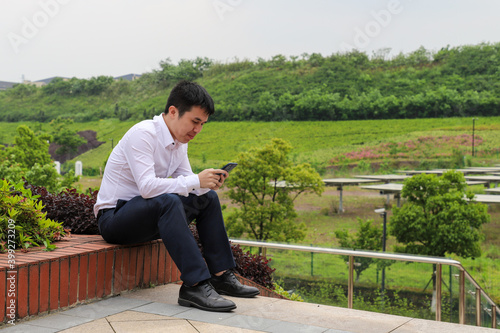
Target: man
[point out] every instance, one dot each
(149, 191)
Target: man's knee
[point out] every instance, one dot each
(166, 201)
(198, 204)
(206, 201)
(212, 197)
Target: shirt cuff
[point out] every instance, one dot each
(192, 182)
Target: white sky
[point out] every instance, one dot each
(85, 38)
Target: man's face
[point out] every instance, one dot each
(185, 128)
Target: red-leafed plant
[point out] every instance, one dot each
(75, 210)
(253, 267)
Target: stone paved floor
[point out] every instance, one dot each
(156, 310)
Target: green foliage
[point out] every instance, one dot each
(439, 217)
(41, 175)
(29, 160)
(266, 209)
(453, 82)
(69, 140)
(45, 175)
(367, 237)
(75, 87)
(170, 74)
(367, 300)
(22, 223)
(315, 104)
(293, 296)
(29, 148)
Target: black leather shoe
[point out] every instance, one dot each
(228, 284)
(203, 296)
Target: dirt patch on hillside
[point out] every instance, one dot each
(92, 142)
(375, 166)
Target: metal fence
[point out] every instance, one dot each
(481, 304)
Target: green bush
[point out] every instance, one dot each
(293, 296)
(22, 222)
(40, 175)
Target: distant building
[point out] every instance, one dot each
(36, 83)
(47, 81)
(4, 85)
(43, 82)
(128, 77)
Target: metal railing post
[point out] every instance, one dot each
(493, 316)
(350, 283)
(438, 291)
(478, 306)
(461, 305)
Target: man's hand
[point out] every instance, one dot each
(212, 178)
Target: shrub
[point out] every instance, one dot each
(22, 222)
(40, 175)
(75, 210)
(285, 293)
(253, 267)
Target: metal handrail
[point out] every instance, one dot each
(463, 274)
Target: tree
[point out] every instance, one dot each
(69, 140)
(265, 185)
(29, 160)
(29, 148)
(266, 106)
(97, 85)
(439, 218)
(368, 237)
(186, 69)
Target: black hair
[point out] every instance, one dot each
(187, 94)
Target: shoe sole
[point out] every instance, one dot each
(222, 292)
(187, 303)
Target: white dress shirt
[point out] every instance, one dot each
(147, 162)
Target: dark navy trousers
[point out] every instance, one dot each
(167, 217)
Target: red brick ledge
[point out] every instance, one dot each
(82, 268)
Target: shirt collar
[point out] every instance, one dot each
(164, 133)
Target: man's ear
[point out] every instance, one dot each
(173, 112)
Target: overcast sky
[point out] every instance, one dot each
(86, 38)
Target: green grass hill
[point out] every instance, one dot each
(461, 81)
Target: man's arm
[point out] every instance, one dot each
(139, 152)
(210, 179)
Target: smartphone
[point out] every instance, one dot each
(230, 166)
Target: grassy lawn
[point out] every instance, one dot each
(322, 144)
